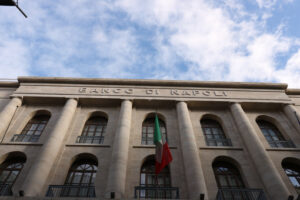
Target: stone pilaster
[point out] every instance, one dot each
(293, 115)
(264, 165)
(38, 174)
(190, 153)
(7, 114)
(117, 172)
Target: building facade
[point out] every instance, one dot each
(93, 138)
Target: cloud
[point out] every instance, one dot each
(13, 58)
(270, 3)
(169, 39)
(214, 44)
(119, 50)
(291, 72)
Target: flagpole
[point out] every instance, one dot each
(156, 175)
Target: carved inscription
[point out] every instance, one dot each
(176, 92)
(104, 91)
(152, 92)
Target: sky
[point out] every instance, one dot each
(203, 40)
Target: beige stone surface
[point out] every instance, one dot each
(48, 161)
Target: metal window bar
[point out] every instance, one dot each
(241, 194)
(141, 192)
(218, 141)
(5, 189)
(25, 138)
(282, 144)
(71, 191)
(90, 139)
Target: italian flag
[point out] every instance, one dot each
(163, 155)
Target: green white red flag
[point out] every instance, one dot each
(163, 155)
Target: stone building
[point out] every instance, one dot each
(85, 138)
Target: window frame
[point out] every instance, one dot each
(149, 124)
(163, 180)
(272, 134)
(294, 172)
(80, 189)
(233, 172)
(98, 123)
(33, 126)
(6, 184)
(209, 128)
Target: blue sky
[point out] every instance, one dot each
(216, 40)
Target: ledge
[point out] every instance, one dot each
(88, 145)
(22, 143)
(13, 84)
(149, 146)
(221, 148)
(153, 82)
(293, 91)
(283, 149)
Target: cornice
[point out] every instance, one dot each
(152, 82)
(13, 84)
(293, 91)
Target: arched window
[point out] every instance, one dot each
(33, 129)
(273, 136)
(93, 131)
(9, 172)
(148, 131)
(228, 177)
(80, 179)
(213, 132)
(149, 181)
(292, 170)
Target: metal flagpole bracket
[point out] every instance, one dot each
(12, 3)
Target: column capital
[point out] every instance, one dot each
(180, 101)
(233, 102)
(287, 104)
(127, 99)
(17, 97)
(74, 98)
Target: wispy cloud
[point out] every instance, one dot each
(271, 3)
(170, 39)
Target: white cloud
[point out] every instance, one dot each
(216, 46)
(13, 58)
(270, 3)
(169, 39)
(119, 49)
(291, 72)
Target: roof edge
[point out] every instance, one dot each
(13, 84)
(293, 91)
(152, 82)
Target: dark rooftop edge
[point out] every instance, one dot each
(152, 82)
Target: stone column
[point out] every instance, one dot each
(118, 165)
(190, 153)
(292, 114)
(264, 165)
(7, 114)
(39, 172)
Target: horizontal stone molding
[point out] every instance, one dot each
(147, 92)
(88, 145)
(179, 83)
(22, 143)
(150, 147)
(283, 149)
(221, 148)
